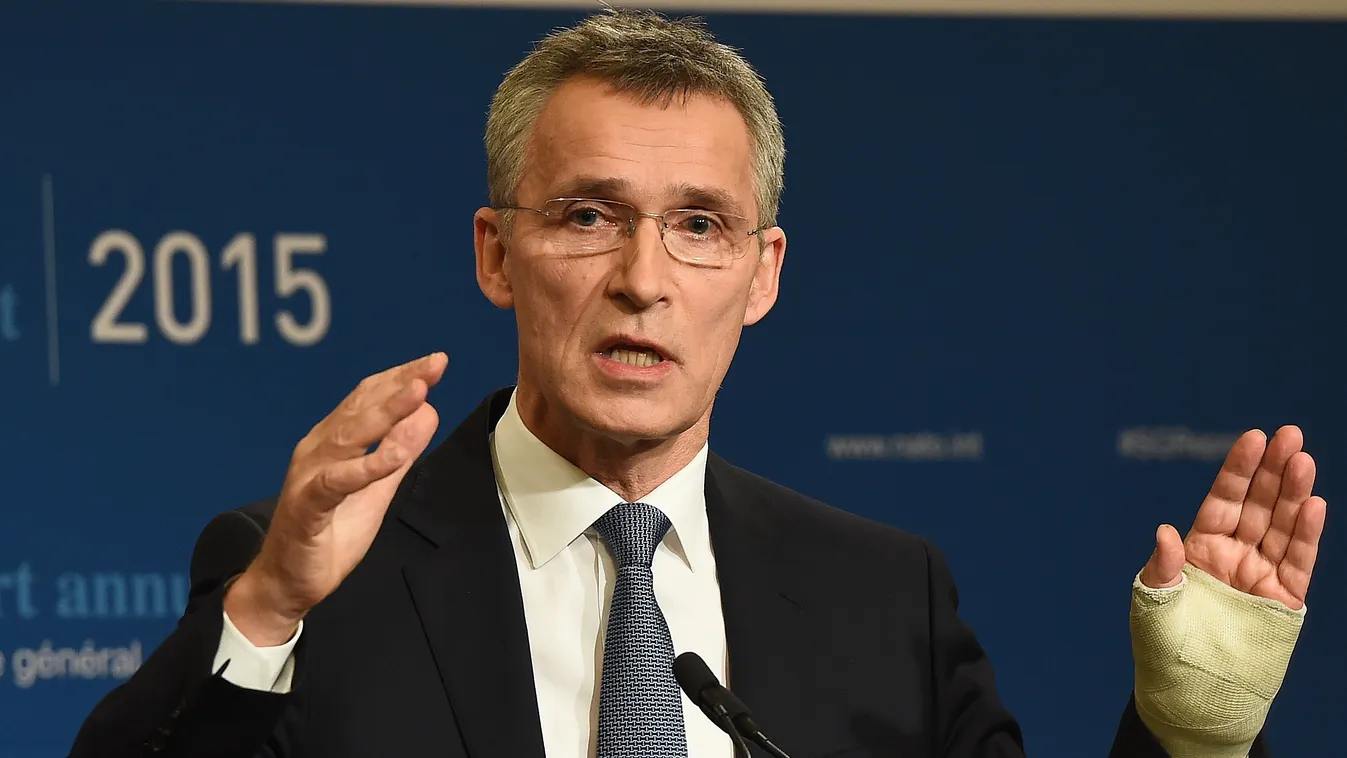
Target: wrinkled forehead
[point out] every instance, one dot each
(590, 141)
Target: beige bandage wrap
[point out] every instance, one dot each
(1209, 660)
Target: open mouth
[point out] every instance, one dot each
(633, 354)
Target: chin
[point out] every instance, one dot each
(632, 417)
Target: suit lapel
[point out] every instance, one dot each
(771, 641)
(467, 592)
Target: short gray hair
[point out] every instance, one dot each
(650, 57)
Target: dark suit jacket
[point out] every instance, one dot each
(843, 637)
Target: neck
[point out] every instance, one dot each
(630, 467)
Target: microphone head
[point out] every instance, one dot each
(704, 689)
(719, 704)
(694, 676)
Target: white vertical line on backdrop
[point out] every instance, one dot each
(49, 255)
(1248, 9)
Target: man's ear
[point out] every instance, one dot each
(766, 283)
(491, 276)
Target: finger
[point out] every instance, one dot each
(1219, 512)
(346, 433)
(1256, 515)
(414, 432)
(429, 368)
(1294, 572)
(1165, 567)
(412, 435)
(375, 389)
(405, 441)
(351, 433)
(379, 389)
(1297, 485)
(334, 481)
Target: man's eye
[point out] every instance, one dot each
(586, 217)
(701, 225)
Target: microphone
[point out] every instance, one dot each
(720, 705)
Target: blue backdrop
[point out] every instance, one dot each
(1041, 273)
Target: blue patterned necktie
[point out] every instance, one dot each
(640, 704)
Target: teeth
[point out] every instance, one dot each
(638, 358)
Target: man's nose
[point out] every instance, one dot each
(642, 277)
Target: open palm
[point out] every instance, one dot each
(1258, 529)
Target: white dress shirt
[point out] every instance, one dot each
(566, 576)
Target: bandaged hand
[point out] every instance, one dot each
(1209, 661)
(1216, 615)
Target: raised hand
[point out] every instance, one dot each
(334, 498)
(1258, 530)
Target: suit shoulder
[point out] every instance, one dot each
(260, 511)
(816, 520)
(230, 541)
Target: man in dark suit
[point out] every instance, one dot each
(522, 589)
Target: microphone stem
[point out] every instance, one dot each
(769, 746)
(723, 721)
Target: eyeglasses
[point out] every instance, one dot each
(588, 226)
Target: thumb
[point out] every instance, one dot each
(1166, 564)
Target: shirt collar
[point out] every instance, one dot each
(553, 502)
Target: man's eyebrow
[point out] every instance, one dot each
(598, 187)
(688, 195)
(708, 198)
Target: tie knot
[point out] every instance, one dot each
(633, 531)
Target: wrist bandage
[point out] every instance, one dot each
(1209, 660)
